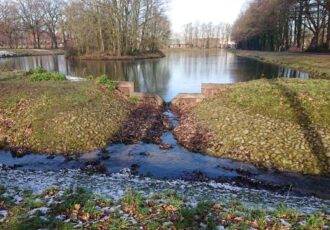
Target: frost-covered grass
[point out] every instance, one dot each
(78, 208)
(273, 123)
(317, 65)
(57, 116)
(35, 52)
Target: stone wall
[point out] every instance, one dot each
(127, 88)
(187, 99)
(191, 99)
(181, 100)
(212, 89)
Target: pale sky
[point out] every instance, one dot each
(184, 11)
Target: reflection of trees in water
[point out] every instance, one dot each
(206, 65)
(114, 70)
(6, 62)
(285, 72)
(186, 68)
(50, 63)
(149, 76)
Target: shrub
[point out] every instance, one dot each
(134, 52)
(104, 80)
(39, 70)
(39, 74)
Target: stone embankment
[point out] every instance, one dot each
(191, 99)
(127, 88)
(181, 100)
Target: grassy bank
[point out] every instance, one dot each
(79, 209)
(44, 113)
(282, 124)
(317, 65)
(35, 52)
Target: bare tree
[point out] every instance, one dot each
(283, 24)
(9, 24)
(52, 11)
(207, 35)
(32, 15)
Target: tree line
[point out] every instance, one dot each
(118, 27)
(207, 35)
(277, 25)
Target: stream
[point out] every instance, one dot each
(148, 169)
(148, 160)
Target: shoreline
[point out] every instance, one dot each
(101, 57)
(12, 53)
(315, 64)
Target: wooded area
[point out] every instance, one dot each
(118, 27)
(207, 35)
(277, 25)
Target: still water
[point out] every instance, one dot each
(178, 72)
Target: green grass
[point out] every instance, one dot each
(86, 206)
(104, 80)
(317, 65)
(134, 100)
(272, 123)
(57, 116)
(39, 74)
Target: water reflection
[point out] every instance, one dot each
(178, 72)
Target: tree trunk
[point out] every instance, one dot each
(315, 40)
(34, 40)
(38, 39)
(299, 24)
(328, 31)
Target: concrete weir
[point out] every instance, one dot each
(191, 99)
(182, 99)
(127, 88)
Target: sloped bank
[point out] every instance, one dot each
(281, 124)
(42, 113)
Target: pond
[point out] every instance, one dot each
(178, 72)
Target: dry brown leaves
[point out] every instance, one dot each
(192, 135)
(146, 123)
